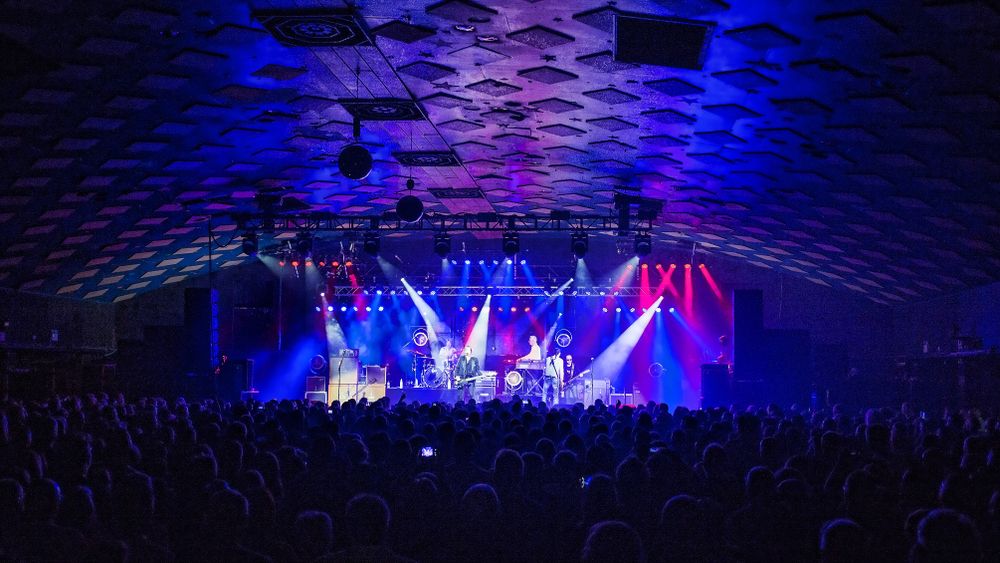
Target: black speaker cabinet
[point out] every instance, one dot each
(716, 387)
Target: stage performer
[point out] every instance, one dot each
(554, 367)
(445, 354)
(466, 370)
(535, 353)
(570, 369)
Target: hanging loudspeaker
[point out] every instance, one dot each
(355, 162)
(409, 208)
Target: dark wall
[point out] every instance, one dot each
(974, 312)
(155, 344)
(847, 330)
(27, 318)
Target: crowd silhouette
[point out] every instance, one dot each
(99, 478)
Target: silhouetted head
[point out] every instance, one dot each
(228, 513)
(313, 534)
(842, 541)
(41, 504)
(508, 469)
(759, 483)
(367, 519)
(946, 536)
(612, 541)
(479, 502)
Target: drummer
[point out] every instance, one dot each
(446, 358)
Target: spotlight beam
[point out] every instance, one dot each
(430, 318)
(611, 361)
(711, 281)
(480, 332)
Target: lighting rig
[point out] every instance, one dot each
(632, 219)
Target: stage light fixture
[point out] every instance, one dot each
(329, 308)
(687, 266)
(368, 309)
(442, 245)
(381, 308)
(509, 261)
(579, 245)
(701, 266)
(371, 244)
(618, 309)
(318, 309)
(343, 309)
(304, 244)
(250, 244)
(643, 244)
(523, 262)
(481, 262)
(295, 263)
(645, 266)
(511, 244)
(281, 263)
(348, 264)
(467, 261)
(378, 292)
(670, 310)
(322, 294)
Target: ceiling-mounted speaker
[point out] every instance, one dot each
(662, 41)
(355, 162)
(409, 208)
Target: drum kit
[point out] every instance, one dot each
(431, 375)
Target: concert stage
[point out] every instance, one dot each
(423, 395)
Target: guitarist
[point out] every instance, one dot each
(466, 370)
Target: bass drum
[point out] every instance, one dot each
(433, 377)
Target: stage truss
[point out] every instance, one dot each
(495, 291)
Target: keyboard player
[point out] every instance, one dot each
(535, 354)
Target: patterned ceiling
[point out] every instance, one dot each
(848, 142)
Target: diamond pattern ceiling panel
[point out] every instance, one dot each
(852, 146)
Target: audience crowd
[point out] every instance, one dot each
(99, 478)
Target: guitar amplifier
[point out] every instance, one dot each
(373, 388)
(315, 384)
(316, 397)
(485, 388)
(580, 390)
(375, 375)
(344, 367)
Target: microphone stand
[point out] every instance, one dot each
(593, 368)
(340, 367)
